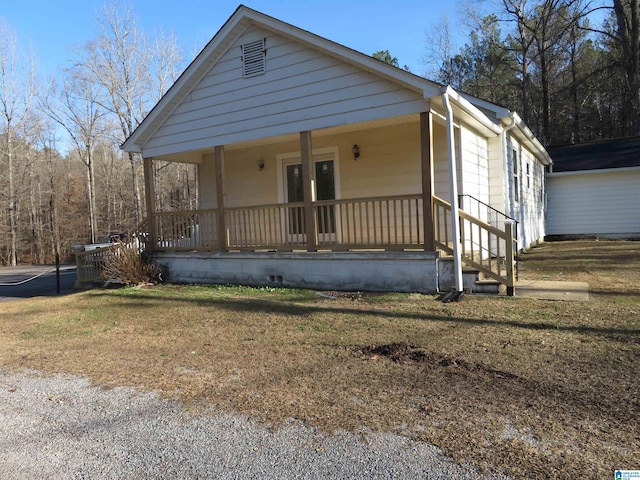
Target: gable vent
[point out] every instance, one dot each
(253, 58)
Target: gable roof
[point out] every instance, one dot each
(486, 117)
(599, 155)
(241, 19)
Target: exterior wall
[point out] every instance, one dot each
(474, 172)
(441, 162)
(389, 164)
(529, 209)
(595, 202)
(302, 89)
(497, 175)
(399, 272)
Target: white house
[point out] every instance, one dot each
(293, 133)
(594, 190)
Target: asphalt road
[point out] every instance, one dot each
(11, 277)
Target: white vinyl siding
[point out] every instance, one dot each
(441, 162)
(302, 89)
(605, 202)
(526, 193)
(497, 178)
(474, 172)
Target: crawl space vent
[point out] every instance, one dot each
(253, 58)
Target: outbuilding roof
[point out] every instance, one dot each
(604, 154)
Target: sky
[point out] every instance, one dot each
(54, 28)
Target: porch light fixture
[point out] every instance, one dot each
(356, 151)
(261, 164)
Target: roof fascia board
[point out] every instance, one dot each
(423, 86)
(464, 105)
(594, 171)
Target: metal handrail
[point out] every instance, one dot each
(507, 217)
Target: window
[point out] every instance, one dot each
(516, 183)
(253, 58)
(541, 180)
(528, 175)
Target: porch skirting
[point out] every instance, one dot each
(345, 271)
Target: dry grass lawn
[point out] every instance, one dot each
(529, 388)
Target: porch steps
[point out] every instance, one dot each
(473, 280)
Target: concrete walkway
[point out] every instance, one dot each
(553, 290)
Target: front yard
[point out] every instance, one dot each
(530, 388)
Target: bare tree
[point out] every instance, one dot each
(627, 14)
(16, 96)
(440, 52)
(75, 106)
(118, 62)
(132, 73)
(166, 64)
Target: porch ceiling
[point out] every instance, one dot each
(195, 156)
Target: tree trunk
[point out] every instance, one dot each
(13, 204)
(137, 201)
(33, 218)
(575, 106)
(628, 22)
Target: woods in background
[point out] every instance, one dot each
(64, 180)
(569, 79)
(51, 201)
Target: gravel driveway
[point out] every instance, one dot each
(61, 427)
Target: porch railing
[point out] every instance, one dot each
(90, 264)
(90, 261)
(484, 247)
(377, 223)
(386, 223)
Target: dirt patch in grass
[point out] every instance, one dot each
(402, 353)
(530, 388)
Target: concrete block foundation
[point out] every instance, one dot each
(343, 271)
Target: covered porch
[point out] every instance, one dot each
(369, 193)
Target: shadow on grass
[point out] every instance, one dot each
(615, 293)
(250, 305)
(604, 256)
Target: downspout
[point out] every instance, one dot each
(505, 156)
(505, 153)
(453, 179)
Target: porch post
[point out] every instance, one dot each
(308, 183)
(221, 195)
(426, 157)
(150, 201)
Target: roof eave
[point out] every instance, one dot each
(527, 135)
(463, 104)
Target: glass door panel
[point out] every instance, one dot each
(325, 190)
(294, 195)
